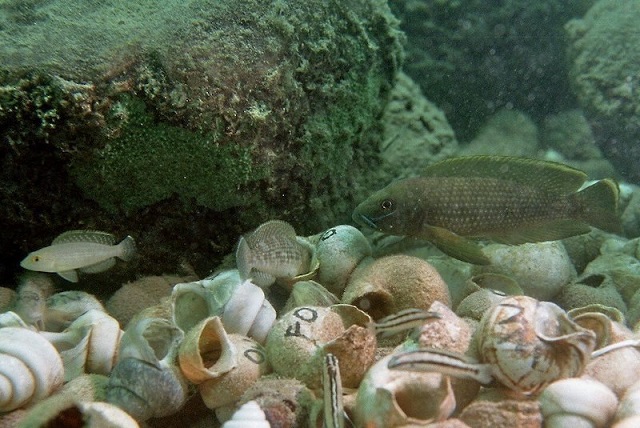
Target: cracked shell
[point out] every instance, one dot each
(531, 344)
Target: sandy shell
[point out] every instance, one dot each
(30, 368)
(299, 340)
(227, 389)
(390, 284)
(531, 344)
(492, 409)
(207, 352)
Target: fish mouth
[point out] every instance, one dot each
(363, 219)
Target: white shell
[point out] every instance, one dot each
(89, 345)
(241, 305)
(249, 415)
(64, 307)
(339, 250)
(395, 398)
(30, 368)
(583, 402)
(531, 344)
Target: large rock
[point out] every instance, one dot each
(186, 123)
(474, 57)
(605, 74)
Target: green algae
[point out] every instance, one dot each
(149, 161)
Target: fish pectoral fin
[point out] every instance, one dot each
(455, 245)
(100, 266)
(69, 275)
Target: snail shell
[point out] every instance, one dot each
(531, 344)
(89, 345)
(146, 382)
(249, 415)
(307, 333)
(30, 368)
(241, 305)
(144, 390)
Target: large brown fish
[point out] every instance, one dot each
(507, 199)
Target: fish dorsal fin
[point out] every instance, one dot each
(93, 236)
(552, 177)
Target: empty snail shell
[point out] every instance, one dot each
(89, 345)
(30, 368)
(307, 333)
(145, 382)
(249, 415)
(241, 305)
(531, 344)
(64, 307)
(339, 251)
(577, 403)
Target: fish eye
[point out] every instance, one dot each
(386, 205)
(36, 258)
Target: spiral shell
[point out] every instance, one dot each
(89, 345)
(531, 344)
(30, 368)
(241, 305)
(249, 415)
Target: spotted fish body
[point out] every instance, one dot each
(87, 251)
(510, 200)
(271, 251)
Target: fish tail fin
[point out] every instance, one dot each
(598, 205)
(127, 248)
(243, 258)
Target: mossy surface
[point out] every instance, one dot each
(149, 161)
(186, 123)
(604, 50)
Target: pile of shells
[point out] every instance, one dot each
(377, 341)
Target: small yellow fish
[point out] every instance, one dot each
(84, 250)
(507, 199)
(271, 251)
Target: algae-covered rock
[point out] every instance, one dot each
(187, 122)
(416, 132)
(604, 52)
(475, 57)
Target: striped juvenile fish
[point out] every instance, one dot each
(87, 251)
(507, 199)
(402, 320)
(271, 251)
(332, 390)
(438, 360)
